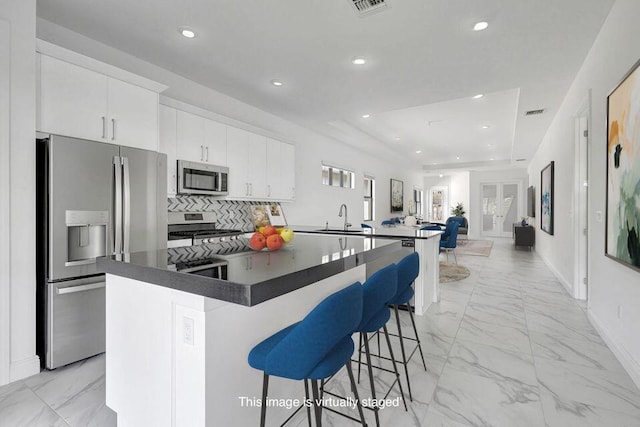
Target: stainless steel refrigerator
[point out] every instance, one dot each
(94, 199)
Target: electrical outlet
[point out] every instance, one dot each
(599, 216)
(187, 330)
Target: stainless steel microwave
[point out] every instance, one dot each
(201, 178)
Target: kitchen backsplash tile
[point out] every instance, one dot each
(207, 250)
(234, 214)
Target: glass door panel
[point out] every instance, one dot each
(489, 207)
(509, 207)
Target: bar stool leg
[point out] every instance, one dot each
(373, 387)
(395, 367)
(415, 331)
(263, 408)
(355, 394)
(316, 407)
(306, 395)
(359, 357)
(404, 355)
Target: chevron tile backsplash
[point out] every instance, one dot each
(234, 214)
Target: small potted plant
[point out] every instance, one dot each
(458, 210)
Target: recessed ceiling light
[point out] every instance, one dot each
(485, 127)
(187, 32)
(366, 116)
(440, 175)
(458, 158)
(418, 151)
(480, 26)
(276, 82)
(358, 61)
(397, 138)
(478, 96)
(491, 158)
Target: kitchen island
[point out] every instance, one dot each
(425, 242)
(177, 343)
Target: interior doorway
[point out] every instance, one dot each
(500, 208)
(581, 201)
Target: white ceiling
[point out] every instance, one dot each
(424, 65)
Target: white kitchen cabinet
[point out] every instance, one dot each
(73, 100)
(201, 140)
(280, 170)
(246, 154)
(167, 145)
(78, 102)
(288, 171)
(133, 115)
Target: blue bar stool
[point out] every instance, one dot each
(313, 349)
(408, 269)
(378, 290)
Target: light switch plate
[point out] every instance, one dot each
(187, 330)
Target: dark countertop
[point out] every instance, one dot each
(255, 277)
(397, 232)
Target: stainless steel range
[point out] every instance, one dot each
(196, 228)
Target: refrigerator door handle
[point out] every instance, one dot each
(81, 288)
(117, 205)
(126, 202)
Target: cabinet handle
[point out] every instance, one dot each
(207, 148)
(104, 127)
(251, 188)
(246, 191)
(293, 192)
(269, 190)
(202, 153)
(113, 125)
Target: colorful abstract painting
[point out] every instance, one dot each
(546, 199)
(623, 171)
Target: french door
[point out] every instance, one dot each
(500, 208)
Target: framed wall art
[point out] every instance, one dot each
(546, 198)
(622, 232)
(397, 194)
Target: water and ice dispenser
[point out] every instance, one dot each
(86, 236)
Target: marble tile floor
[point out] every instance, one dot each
(505, 347)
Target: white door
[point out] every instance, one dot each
(581, 222)
(257, 166)
(288, 172)
(73, 100)
(500, 208)
(274, 167)
(133, 115)
(215, 143)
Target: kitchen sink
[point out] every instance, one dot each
(339, 230)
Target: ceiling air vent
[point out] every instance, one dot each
(366, 7)
(534, 112)
(520, 160)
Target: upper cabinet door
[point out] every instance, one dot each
(133, 115)
(257, 166)
(73, 100)
(238, 162)
(215, 143)
(274, 164)
(168, 145)
(288, 171)
(190, 137)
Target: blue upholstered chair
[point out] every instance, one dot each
(463, 224)
(363, 225)
(449, 239)
(313, 349)
(378, 290)
(408, 270)
(388, 223)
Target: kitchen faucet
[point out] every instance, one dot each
(346, 222)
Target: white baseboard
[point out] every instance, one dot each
(24, 368)
(626, 360)
(568, 287)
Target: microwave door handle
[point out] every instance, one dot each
(117, 205)
(126, 202)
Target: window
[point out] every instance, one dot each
(336, 177)
(418, 195)
(369, 191)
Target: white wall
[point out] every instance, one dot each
(477, 178)
(17, 216)
(611, 285)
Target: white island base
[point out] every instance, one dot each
(179, 359)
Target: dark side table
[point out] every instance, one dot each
(524, 235)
